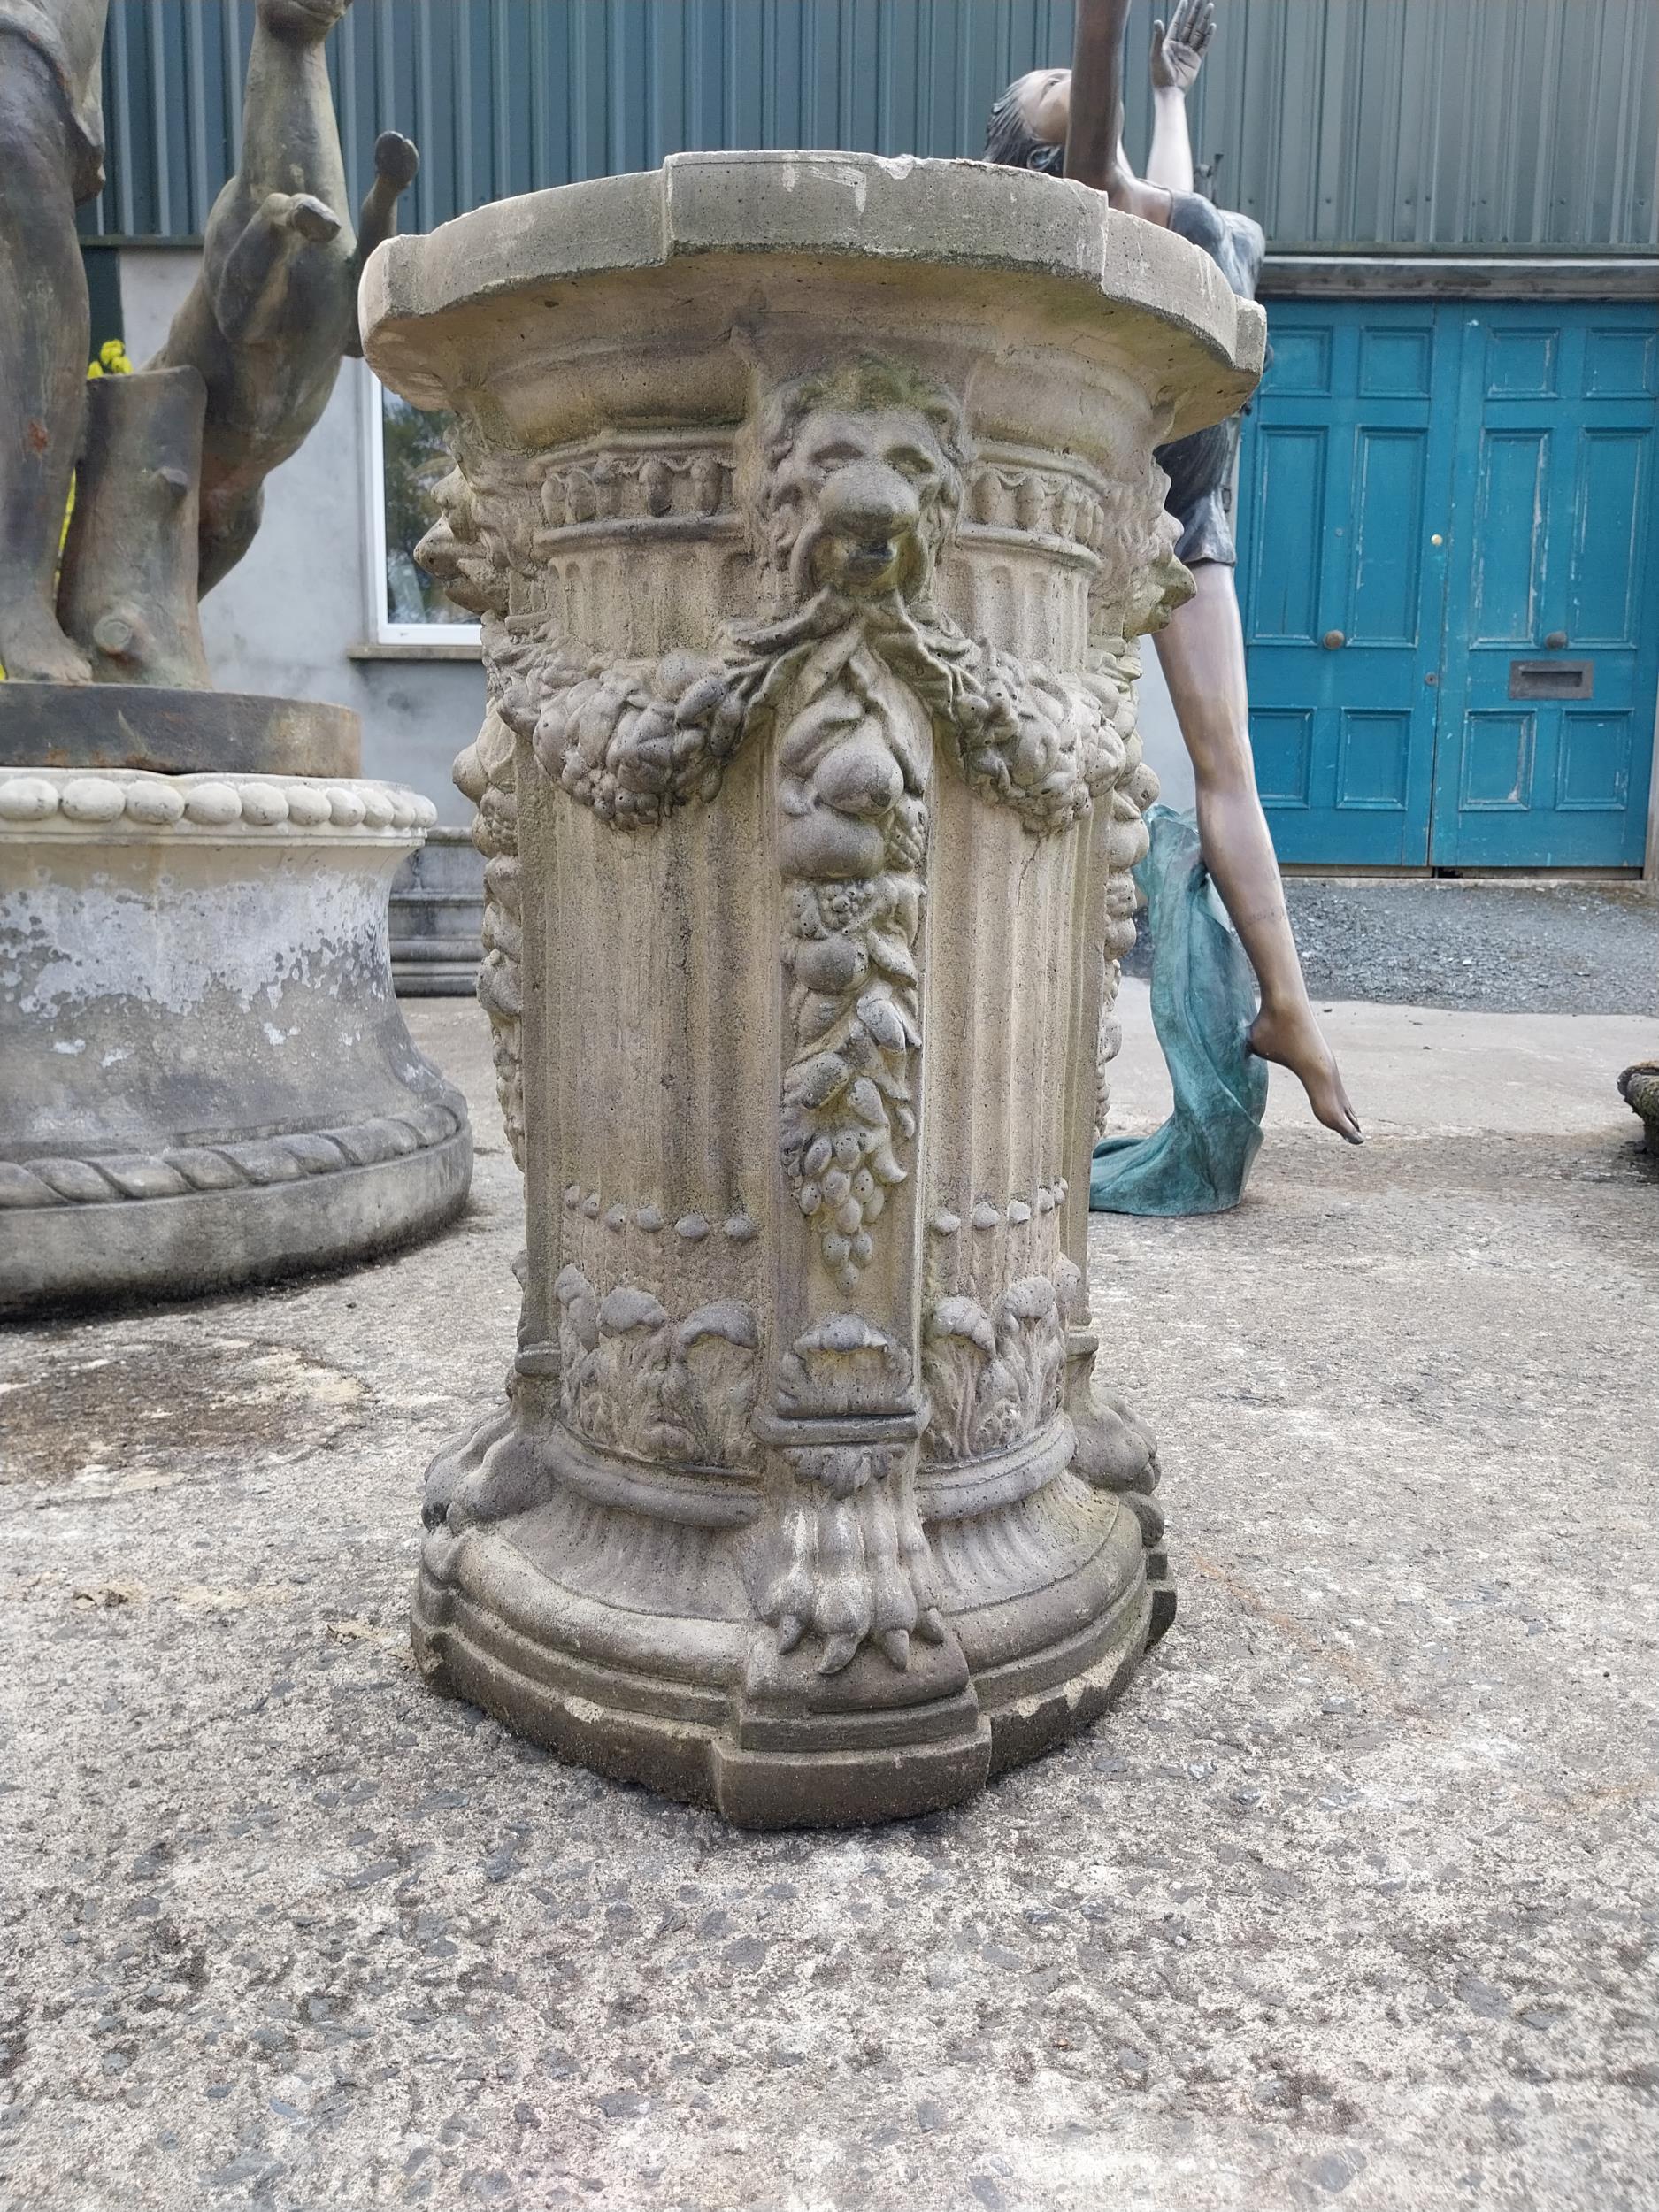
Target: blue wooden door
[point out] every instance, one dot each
(1552, 648)
(1447, 525)
(1344, 480)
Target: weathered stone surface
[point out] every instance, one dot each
(207, 1078)
(274, 309)
(809, 505)
(175, 732)
(127, 589)
(172, 463)
(935, 229)
(1638, 1087)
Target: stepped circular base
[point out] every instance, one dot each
(628, 1644)
(207, 1078)
(438, 917)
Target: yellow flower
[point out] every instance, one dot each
(112, 360)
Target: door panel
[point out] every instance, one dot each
(1546, 747)
(1387, 587)
(1619, 363)
(1374, 763)
(1395, 363)
(1283, 744)
(1412, 702)
(1593, 764)
(1498, 754)
(1612, 499)
(1345, 460)
(1507, 554)
(1519, 363)
(1286, 597)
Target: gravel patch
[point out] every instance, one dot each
(1488, 947)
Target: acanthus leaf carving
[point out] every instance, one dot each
(994, 1378)
(844, 1557)
(634, 1380)
(843, 1365)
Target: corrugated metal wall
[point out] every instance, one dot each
(1512, 123)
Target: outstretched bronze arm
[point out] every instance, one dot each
(1094, 153)
(1177, 56)
(1097, 94)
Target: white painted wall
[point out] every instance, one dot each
(283, 622)
(1161, 732)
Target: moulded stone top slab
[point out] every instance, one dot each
(419, 295)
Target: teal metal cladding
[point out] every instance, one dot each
(505, 96)
(1337, 123)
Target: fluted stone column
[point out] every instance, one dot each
(808, 504)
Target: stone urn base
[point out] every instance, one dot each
(1638, 1087)
(651, 1668)
(207, 1080)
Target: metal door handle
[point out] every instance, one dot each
(1332, 640)
(1554, 642)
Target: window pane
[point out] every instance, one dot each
(415, 458)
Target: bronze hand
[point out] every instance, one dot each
(1178, 51)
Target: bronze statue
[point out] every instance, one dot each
(1070, 121)
(264, 330)
(276, 304)
(51, 127)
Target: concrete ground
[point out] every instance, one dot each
(1349, 1901)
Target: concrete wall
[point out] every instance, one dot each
(286, 619)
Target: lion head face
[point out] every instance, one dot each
(859, 482)
(462, 552)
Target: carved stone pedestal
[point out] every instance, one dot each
(206, 1079)
(808, 501)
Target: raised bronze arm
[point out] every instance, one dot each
(1097, 95)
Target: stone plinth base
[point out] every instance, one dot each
(438, 918)
(547, 1620)
(174, 733)
(207, 1078)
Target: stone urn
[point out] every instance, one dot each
(207, 1080)
(808, 504)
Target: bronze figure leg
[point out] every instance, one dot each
(43, 340)
(1202, 653)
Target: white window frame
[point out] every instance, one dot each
(381, 629)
